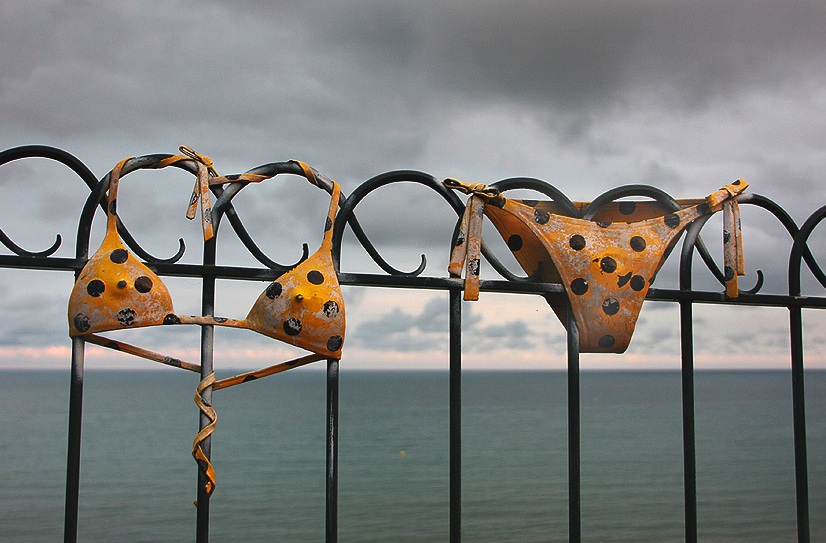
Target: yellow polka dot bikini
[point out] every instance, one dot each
(606, 267)
(303, 307)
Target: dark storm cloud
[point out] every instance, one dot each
(254, 86)
(582, 55)
(334, 74)
(362, 87)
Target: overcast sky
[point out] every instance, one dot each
(586, 95)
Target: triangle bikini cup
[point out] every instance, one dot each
(606, 267)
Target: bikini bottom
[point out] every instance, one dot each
(606, 265)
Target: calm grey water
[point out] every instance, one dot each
(138, 478)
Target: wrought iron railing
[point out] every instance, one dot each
(210, 270)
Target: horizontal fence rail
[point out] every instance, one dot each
(209, 271)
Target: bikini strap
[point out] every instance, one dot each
(715, 199)
(204, 165)
(733, 261)
(324, 183)
(198, 453)
(200, 193)
(207, 176)
(112, 198)
(467, 250)
(489, 193)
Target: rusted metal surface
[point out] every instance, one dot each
(606, 267)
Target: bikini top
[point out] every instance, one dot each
(606, 265)
(303, 307)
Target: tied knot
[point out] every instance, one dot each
(198, 157)
(474, 189)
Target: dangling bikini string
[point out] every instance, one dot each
(468, 249)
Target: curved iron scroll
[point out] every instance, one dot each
(347, 216)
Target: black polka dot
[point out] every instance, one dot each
(610, 306)
(515, 242)
(122, 283)
(530, 203)
(328, 224)
(113, 207)
(726, 236)
(95, 287)
(249, 378)
(119, 256)
(170, 361)
(126, 317)
(638, 243)
(736, 182)
(607, 341)
(330, 308)
(638, 282)
(220, 320)
(460, 239)
(626, 208)
(608, 264)
(704, 208)
(292, 326)
(315, 277)
(143, 284)
(540, 216)
(672, 220)
(82, 322)
(274, 290)
(622, 280)
(577, 242)
(334, 343)
(579, 286)
(729, 273)
(603, 224)
(172, 319)
(473, 266)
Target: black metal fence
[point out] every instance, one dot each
(209, 271)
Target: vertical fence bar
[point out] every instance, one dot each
(455, 415)
(798, 389)
(331, 496)
(687, 369)
(799, 407)
(207, 367)
(574, 472)
(73, 453)
(202, 533)
(689, 438)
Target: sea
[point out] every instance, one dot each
(138, 477)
